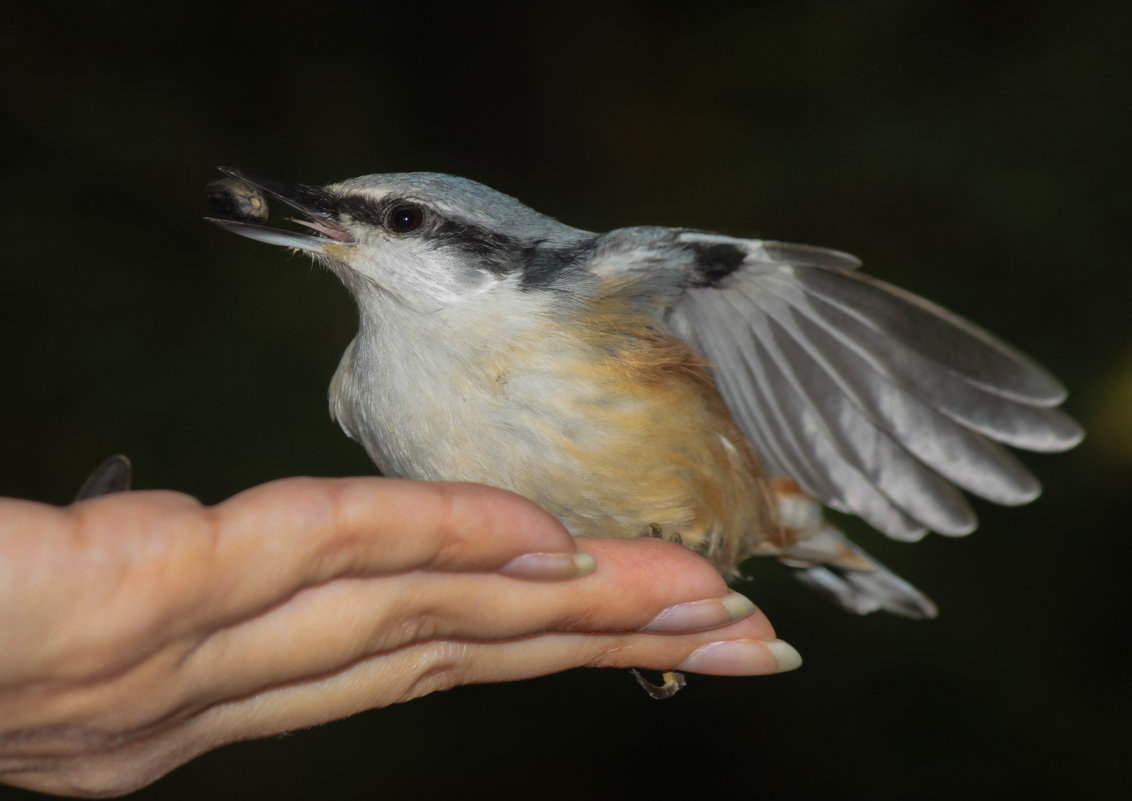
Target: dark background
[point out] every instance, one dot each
(972, 152)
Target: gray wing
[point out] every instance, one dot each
(875, 401)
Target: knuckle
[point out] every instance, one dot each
(421, 625)
(439, 666)
(455, 519)
(607, 653)
(326, 508)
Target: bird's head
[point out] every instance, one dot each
(425, 240)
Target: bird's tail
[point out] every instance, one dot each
(824, 559)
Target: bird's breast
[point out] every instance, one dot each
(610, 434)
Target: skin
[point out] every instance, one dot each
(142, 629)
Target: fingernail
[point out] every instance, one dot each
(785, 654)
(741, 658)
(550, 566)
(700, 615)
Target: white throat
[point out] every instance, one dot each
(417, 390)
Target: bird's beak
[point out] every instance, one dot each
(317, 206)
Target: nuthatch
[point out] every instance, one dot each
(713, 389)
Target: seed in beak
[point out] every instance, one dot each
(234, 199)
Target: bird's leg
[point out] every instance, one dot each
(674, 680)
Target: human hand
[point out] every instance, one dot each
(142, 629)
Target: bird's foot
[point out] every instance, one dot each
(674, 682)
(654, 530)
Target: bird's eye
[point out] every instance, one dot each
(404, 218)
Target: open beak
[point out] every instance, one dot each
(317, 207)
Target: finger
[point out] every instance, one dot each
(423, 668)
(369, 526)
(192, 569)
(750, 653)
(336, 624)
(389, 678)
(330, 528)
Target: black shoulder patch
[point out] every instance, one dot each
(543, 265)
(715, 261)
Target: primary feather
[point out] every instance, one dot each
(876, 401)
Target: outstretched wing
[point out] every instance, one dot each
(875, 401)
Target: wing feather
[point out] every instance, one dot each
(965, 350)
(873, 454)
(954, 449)
(740, 371)
(874, 400)
(811, 455)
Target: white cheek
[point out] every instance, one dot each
(421, 277)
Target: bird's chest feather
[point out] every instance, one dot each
(608, 436)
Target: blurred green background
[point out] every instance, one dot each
(973, 152)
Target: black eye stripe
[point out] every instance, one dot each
(538, 264)
(397, 215)
(363, 209)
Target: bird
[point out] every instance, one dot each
(717, 391)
